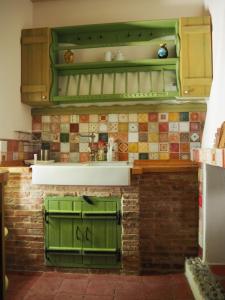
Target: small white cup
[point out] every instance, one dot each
(35, 158)
(108, 56)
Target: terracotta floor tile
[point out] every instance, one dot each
(101, 287)
(77, 286)
(47, 284)
(31, 296)
(92, 297)
(65, 296)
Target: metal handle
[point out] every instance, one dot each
(77, 233)
(43, 97)
(86, 234)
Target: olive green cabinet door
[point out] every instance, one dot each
(35, 66)
(195, 56)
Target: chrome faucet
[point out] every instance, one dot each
(93, 149)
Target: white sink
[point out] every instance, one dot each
(90, 173)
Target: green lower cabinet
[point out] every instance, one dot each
(82, 232)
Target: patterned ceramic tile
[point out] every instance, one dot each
(123, 156)
(55, 137)
(184, 156)
(132, 156)
(113, 127)
(174, 117)
(143, 127)
(36, 126)
(163, 147)
(93, 118)
(142, 118)
(132, 117)
(74, 127)
(133, 127)
(143, 155)
(115, 135)
(103, 137)
(132, 147)
(64, 137)
(174, 147)
(113, 118)
(202, 116)
(46, 119)
(195, 136)
(84, 118)
(84, 157)
(174, 137)
(64, 157)
(74, 138)
(74, 119)
(84, 147)
(74, 157)
(132, 137)
(153, 117)
(46, 127)
(195, 126)
(184, 147)
(55, 119)
(153, 137)
(102, 118)
(173, 126)
(83, 137)
(74, 147)
(174, 155)
(143, 147)
(154, 155)
(195, 145)
(194, 116)
(163, 117)
(103, 127)
(55, 127)
(164, 156)
(37, 119)
(143, 137)
(123, 118)
(55, 147)
(184, 116)
(64, 128)
(123, 127)
(64, 147)
(153, 127)
(123, 147)
(163, 127)
(123, 136)
(184, 137)
(83, 127)
(46, 136)
(153, 147)
(184, 126)
(163, 137)
(64, 119)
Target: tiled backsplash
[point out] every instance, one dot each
(150, 135)
(15, 150)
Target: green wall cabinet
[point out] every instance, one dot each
(82, 231)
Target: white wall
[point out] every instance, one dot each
(75, 12)
(14, 15)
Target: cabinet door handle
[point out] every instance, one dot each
(86, 234)
(88, 199)
(77, 233)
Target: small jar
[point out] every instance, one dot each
(108, 56)
(163, 51)
(69, 57)
(119, 55)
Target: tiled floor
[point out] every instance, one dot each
(65, 286)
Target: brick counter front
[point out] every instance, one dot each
(159, 220)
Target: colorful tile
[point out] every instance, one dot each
(36, 126)
(103, 127)
(113, 118)
(143, 147)
(123, 147)
(174, 147)
(55, 147)
(46, 127)
(184, 137)
(174, 117)
(113, 127)
(84, 157)
(163, 147)
(74, 147)
(142, 118)
(83, 127)
(74, 138)
(93, 118)
(46, 119)
(64, 137)
(74, 119)
(64, 128)
(142, 127)
(163, 127)
(185, 147)
(54, 127)
(194, 116)
(46, 136)
(74, 127)
(64, 147)
(123, 118)
(163, 137)
(184, 126)
(195, 126)
(132, 137)
(102, 118)
(55, 137)
(184, 116)
(122, 127)
(132, 147)
(153, 137)
(174, 137)
(84, 118)
(164, 156)
(173, 126)
(93, 127)
(132, 156)
(153, 117)
(185, 156)
(143, 137)
(132, 117)
(195, 136)
(103, 137)
(153, 127)
(143, 155)
(123, 137)
(154, 155)
(174, 155)
(74, 157)
(64, 157)
(84, 147)
(153, 147)
(163, 117)
(195, 145)
(133, 127)
(123, 156)
(64, 119)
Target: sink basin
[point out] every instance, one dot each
(90, 173)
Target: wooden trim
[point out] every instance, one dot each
(33, 88)
(197, 81)
(196, 29)
(34, 40)
(128, 108)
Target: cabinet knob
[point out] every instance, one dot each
(43, 97)
(186, 91)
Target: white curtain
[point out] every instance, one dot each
(216, 104)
